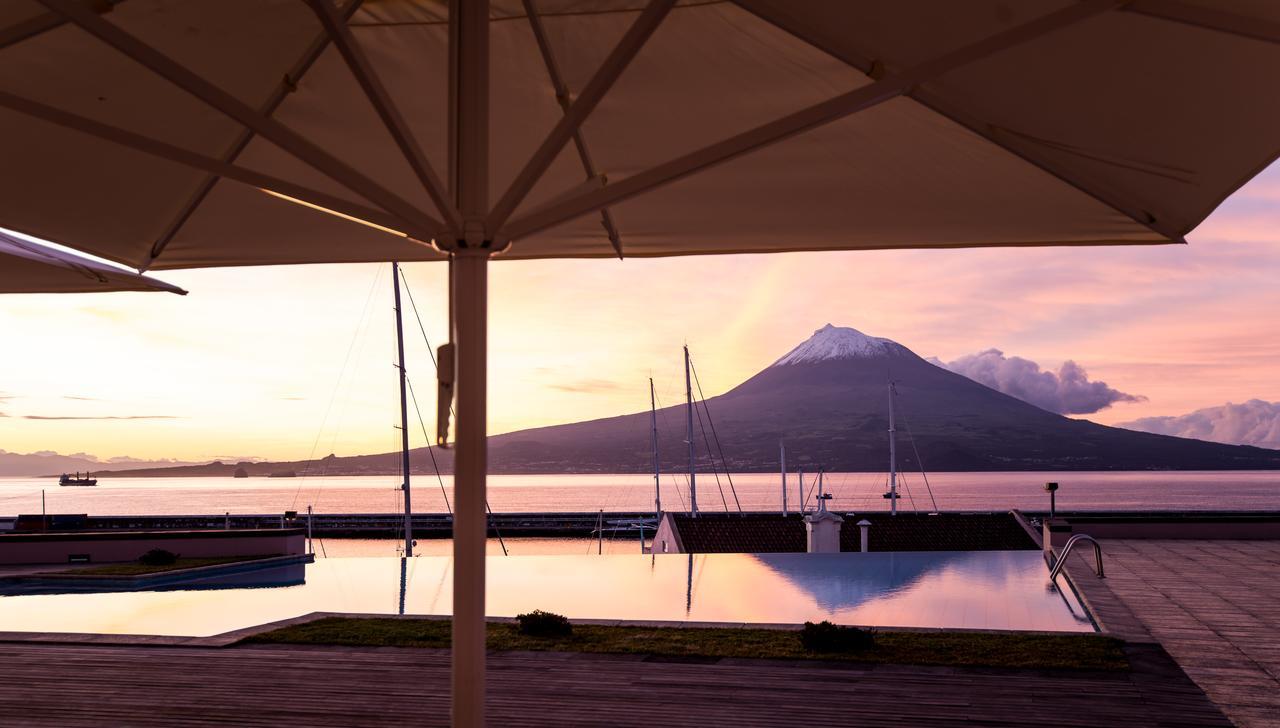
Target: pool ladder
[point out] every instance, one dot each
(1066, 551)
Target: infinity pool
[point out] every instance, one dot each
(1005, 590)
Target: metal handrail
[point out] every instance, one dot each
(1066, 551)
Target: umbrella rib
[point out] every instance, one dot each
(213, 166)
(1208, 18)
(1020, 149)
(839, 107)
(1024, 150)
(228, 105)
(562, 94)
(595, 89)
(41, 24)
(29, 28)
(287, 85)
(336, 26)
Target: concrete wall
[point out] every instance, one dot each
(59, 548)
(667, 539)
(1056, 533)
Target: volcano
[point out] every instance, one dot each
(828, 399)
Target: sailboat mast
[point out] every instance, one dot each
(822, 499)
(800, 491)
(653, 422)
(782, 458)
(404, 417)
(688, 390)
(893, 458)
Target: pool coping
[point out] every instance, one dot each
(1111, 615)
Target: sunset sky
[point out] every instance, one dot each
(292, 361)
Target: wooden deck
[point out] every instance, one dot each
(96, 685)
(1214, 605)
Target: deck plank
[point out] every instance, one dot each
(45, 684)
(1213, 605)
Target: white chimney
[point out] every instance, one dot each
(863, 525)
(823, 528)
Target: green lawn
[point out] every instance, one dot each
(915, 648)
(138, 569)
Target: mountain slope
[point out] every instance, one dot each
(828, 399)
(15, 464)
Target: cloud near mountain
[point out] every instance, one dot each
(1255, 422)
(1067, 391)
(586, 386)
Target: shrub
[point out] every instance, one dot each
(543, 624)
(158, 557)
(827, 637)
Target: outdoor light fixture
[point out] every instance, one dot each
(1052, 490)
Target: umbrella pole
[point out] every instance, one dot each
(468, 283)
(469, 273)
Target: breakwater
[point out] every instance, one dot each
(563, 523)
(353, 525)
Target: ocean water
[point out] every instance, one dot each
(1145, 490)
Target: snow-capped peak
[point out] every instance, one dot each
(836, 342)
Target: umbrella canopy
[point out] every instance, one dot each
(167, 134)
(714, 127)
(27, 267)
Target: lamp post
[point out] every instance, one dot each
(1052, 489)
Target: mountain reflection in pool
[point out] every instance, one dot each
(958, 589)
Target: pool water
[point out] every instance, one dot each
(1005, 590)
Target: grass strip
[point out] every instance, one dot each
(137, 569)
(1031, 651)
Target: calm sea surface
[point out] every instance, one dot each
(1235, 490)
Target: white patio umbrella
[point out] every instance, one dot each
(167, 134)
(27, 267)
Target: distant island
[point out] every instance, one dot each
(828, 399)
